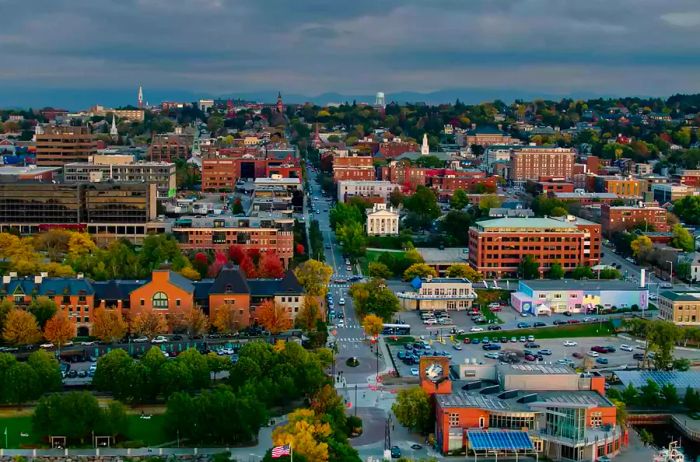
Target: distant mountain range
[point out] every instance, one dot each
(75, 99)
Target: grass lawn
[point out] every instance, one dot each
(150, 431)
(592, 329)
(399, 340)
(15, 427)
(372, 255)
(490, 315)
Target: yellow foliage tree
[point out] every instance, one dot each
(21, 328)
(57, 270)
(108, 325)
(190, 273)
(80, 244)
(149, 323)
(314, 276)
(419, 269)
(309, 314)
(464, 271)
(373, 325)
(641, 246)
(305, 433)
(273, 317)
(226, 319)
(59, 330)
(196, 321)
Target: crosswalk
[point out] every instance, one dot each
(350, 340)
(338, 286)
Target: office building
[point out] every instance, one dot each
(353, 166)
(60, 145)
(497, 247)
(535, 162)
(680, 307)
(160, 173)
(429, 294)
(365, 189)
(621, 218)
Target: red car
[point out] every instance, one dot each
(573, 321)
(577, 355)
(599, 349)
(467, 341)
(530, 357)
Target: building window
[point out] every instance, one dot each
(454, 420)
(143, 302)
(160, 300)
(596, 419)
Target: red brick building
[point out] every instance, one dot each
(497, 247)
(220, 173)
(547, 186)
(353, 167)
(620, 218)
(170, 146)
(534, 162)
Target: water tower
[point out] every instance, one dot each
(379, 100)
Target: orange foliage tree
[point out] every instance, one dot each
(21, 328)
(273, 317)
(108, 325)
(59, 330)
(226, 320)
(148, 323)
(196, 321)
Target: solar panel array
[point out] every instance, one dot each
(545, 369)
(480, 440)
(681, 380)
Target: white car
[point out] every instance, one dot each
(341, 323)
(414, 371)
(430, 322)
(341, 301)
(46, 345)
(570, 343)
(625, 347)
(476, 329)
(588, 319)
(142, 339)
(159, 339)
(593, 354)
(492, 355)
(88, 343)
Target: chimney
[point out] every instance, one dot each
(38, 279)
(6, 279)
(79, 276)
(13, 274)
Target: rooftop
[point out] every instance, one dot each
(681, 380)
(449, 255)
(511, 222)
(574, 195)
(514, 400)
(24, 170)
(686, 296)
(575, 284)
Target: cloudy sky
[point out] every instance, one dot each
(308, 47)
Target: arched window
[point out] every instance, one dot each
(160, 301)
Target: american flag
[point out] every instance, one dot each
(279, 451)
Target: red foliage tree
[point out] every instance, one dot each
(270, 265)
(221, 258)
(248, 267)
(201, 257)
(236, 254)
(299, 249)
(214, 269)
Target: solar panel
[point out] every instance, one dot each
(681, 380)
(499, 440)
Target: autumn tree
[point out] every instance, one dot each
(59, 330)
(420, 270)
(641, 246)
(226, 319)
(306, 433)
(190, 273)
(108, 325)
(314, 277)
(236, 254)
(21, 328)
(274, 317)
(148, 323)
(248, 267)
(464, 271)
(54, 242)
(80, 244)
(270, 265)
(308, 315)
(5, 307)
(196, 322)
(373, 325)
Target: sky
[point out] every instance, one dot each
(80, 50)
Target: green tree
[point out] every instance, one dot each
(529, 268)
(661, 338)
(681, 364)
(423, 203)
(374, 297)
(455, 225)
(412, 409)
(459, 200)
(582, 272)
(669, 394)
(691, 400)
(556, 271)
(649, 394)
(630, 395)
(688, 209)
(489, 201)
(43, 309)
(48, 373)
(682, 239)
(464, 271)
(353, 239)
(379, 270)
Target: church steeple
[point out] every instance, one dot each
(114, 133)
(280, 105)
(425, 148)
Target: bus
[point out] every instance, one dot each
(396, 329)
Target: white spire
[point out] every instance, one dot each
(425, 149)
(140, 97)
(113, 130)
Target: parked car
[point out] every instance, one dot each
(467, 341)
(457, 346)
(530, 338)
(593, 354)
(573, 321)
(570, 343)
(568, 313)
(532, 345)
(492, 355)
(559, 322)
(638, 356)
(514, 339)
(494, 327)
(530, 357)
(159, 339)
(475, 341)
(599, 349)
(47, 345)
(89, 343)
(414, 371)
(504, 339)
(142, 339)
(396, 451)
(602, 360)
(491, 347)
(539, 324)
(545, 352)
(523, 325)
(476, 329)
(577, 355)
(523, 339)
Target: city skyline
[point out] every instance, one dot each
(63, 52)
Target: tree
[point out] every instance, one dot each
(59, 329)
(108, 325)
(373, 325)
(247, 266)
(21, 328)
(529, 268)
(669, 394)
(688, 209)
(190, 273)
(309, 314)
(455, 225)
(682, 239)
(80, 244)
(649, 394)
(149, 323)
(661, 338)
(641, 246)
(556, 271)
(379, 270)
(196, 322)
(582, 272)
(237, 208)
(374, 297)
(420, 270)
(621, 414)
(306, 433)
(691, 400)
(353, 239)
(43, 309)
(630, 395)
(226, 319)
(270, 265)
(396, 198)
(273, 317)
(236, 254)
(489, 201)
(48, 373)
(5, 307)
(681, 364)
(314, 277)
(54, 242)
(459, 200)
(423, 203)
(412, 409)
(464, 271)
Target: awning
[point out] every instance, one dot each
(499, 440)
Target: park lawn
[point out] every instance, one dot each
(151, 431)
(490, 315)
(15, 427)
(592, 329)
(372, 255)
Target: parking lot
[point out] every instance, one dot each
(460, 352)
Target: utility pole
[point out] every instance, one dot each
(355, 400)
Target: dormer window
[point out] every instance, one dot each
(229, 288)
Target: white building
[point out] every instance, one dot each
(439, 294)
(382, 221)
(695, 268)
(365, 188)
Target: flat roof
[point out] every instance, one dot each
(574, 195)
(449, 254)
(537, 399)
(575, 284)
(529, 369)
(680, 379)
(15, 170)
(517, 222)
(684, 296)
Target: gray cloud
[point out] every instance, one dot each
(648, 47)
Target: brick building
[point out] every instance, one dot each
(534, 162)
(353, 167)
(549, 186)
(620, 218)
(622, 186)
(170, 146)
(496, 247)
(220, 173)
(488, 135)
(59, 145)
(365, 189)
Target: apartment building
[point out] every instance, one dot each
(620, 218)
(365, 189)
(453, 294)
(534, 162)
(353, 166)
(167, 147)
(60, 145)
(160, 173)
(497, 247)
(680, 307)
